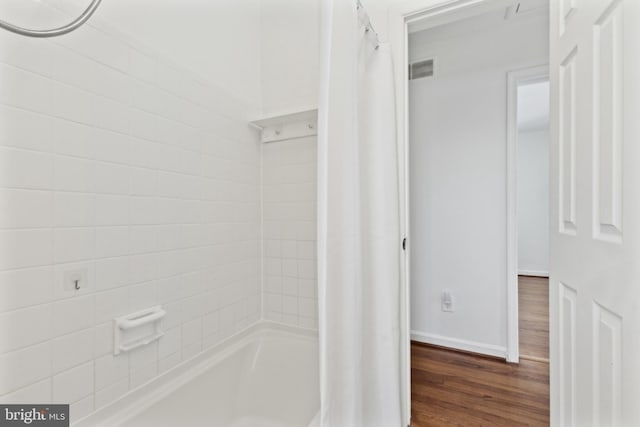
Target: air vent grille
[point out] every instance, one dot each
(421, 69)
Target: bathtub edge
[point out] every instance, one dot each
(145, 395)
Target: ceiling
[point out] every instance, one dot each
(481, 14)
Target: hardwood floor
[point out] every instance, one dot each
(533, 302)
(449, 388)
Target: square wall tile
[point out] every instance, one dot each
(22, 367)
(72, 385)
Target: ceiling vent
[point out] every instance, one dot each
(421, 69)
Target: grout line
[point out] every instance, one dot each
(262, 234)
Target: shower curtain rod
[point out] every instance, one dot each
(54, 31)
(369, 26)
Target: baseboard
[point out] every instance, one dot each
(533, 273)
(458, 344)
(535, 358)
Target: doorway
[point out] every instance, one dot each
(529, 136)
(594, 100)
(462, 202)
(465, 78)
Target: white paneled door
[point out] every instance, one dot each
(595, 211)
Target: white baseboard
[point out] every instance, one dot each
(534, 273)
(458, 344)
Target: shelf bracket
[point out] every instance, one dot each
(287, 126)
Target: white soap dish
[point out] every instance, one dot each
(137, 329)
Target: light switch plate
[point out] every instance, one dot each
(446, 300)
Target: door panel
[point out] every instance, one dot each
(595, 196)
(568, 144)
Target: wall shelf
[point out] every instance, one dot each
(287, 126)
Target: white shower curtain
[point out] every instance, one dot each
(358, 226)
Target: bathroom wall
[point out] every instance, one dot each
(289, 215)
(119, 164)
(289, 68)
(219, 39)
(458, 176)
(289, 55)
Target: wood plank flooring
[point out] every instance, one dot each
(450, 388)
(533, 308)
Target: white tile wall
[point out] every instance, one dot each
(289, 232)
(115, 161)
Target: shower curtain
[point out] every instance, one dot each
(358, 226)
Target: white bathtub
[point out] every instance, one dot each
(266, 377)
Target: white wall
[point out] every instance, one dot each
(458, 179)
(290, 55)
(116, 160)
(219, 40)
(533, 202)
(289, 218)
(533, 178)
(290, 77)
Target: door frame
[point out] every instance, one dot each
(515, 78)
(401, 15)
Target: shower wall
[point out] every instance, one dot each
(120, 166)
(290, 75)
(289, 83)
(289, 232)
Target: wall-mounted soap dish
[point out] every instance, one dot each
(137, 329)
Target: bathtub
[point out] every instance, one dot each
(265, 377)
